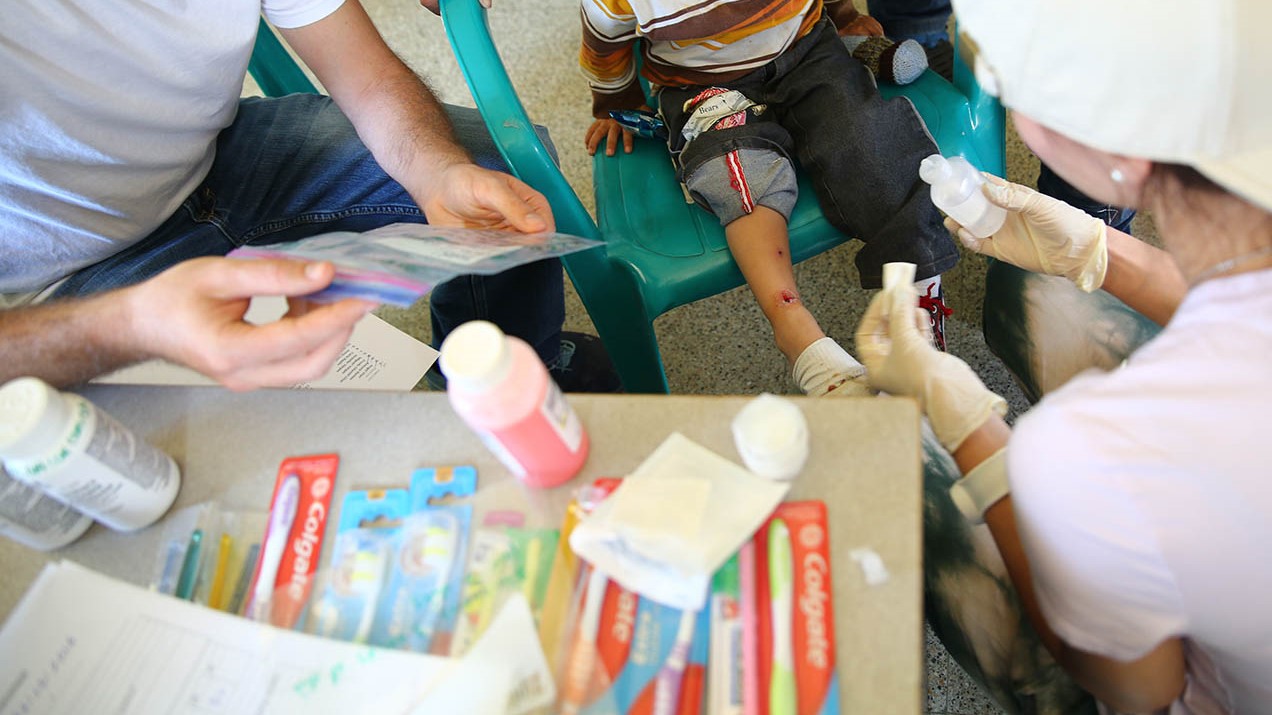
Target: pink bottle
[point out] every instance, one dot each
(500, 387)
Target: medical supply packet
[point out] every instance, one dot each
(399, 263)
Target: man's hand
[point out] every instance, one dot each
(192, 314)
(608, 131)
(468, 196)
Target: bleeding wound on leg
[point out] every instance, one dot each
(787, 297)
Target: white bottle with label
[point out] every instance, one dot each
(65, 446)
(956, 190)
(31, 517)
(501, 389)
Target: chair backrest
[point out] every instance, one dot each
(273, 68)
(492, 90)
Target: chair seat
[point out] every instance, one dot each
(677, 251)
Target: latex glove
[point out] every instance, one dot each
(900, 360)
(1042, 234)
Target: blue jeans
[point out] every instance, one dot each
(921, 20)
(860, 152)
(1052, 185)
(293, 167)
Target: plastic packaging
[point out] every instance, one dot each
(500, 388)
(400, 262)
(64, 445)
(30, 517)
(956, 191)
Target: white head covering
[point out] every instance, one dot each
(1167, 80)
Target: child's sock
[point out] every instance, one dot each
(826, 368)
(898, 63)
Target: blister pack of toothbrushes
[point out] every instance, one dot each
(656, 656)
(207, 555)
(424, 590)
(794, 621)
(399, 263)
(363, 552)
(506, 557)
(292, 543)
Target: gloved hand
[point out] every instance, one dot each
(1042, 234)
(900, 360)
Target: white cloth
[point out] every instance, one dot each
(109, 113)
(1144, 499)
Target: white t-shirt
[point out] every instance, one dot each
(1144, 498)
(109, 113)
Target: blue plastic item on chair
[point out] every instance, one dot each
(660, 251)
(273, 68)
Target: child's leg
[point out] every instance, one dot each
(862, 154)
(761, 247)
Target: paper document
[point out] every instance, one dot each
(378, 357)
(83, 642)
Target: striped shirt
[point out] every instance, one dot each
(687, 42)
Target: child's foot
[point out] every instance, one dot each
(898, 63)
(825, 368)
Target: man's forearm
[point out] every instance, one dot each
(394, 112)
(67, 342)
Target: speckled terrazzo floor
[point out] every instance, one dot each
(721, 345)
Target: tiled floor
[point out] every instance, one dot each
(719, 345)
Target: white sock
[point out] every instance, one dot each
(825, 367)
(922, 285)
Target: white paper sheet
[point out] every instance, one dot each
(378, 357)
(83, 642)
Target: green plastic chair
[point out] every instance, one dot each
(273, 68)
(661, 252)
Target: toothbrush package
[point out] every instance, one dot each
(362, 556)
(795, 625)
(292, 543)
(425, 587)
(505, 559)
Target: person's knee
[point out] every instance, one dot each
(733, 185)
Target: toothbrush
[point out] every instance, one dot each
(782, 697)
(670, 677)
(582, 658)
(281, 518)
(428, 560)
(369, 567)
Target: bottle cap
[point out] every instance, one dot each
(771, 435)
(33, 418)
(935, 168)
(475, 355)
